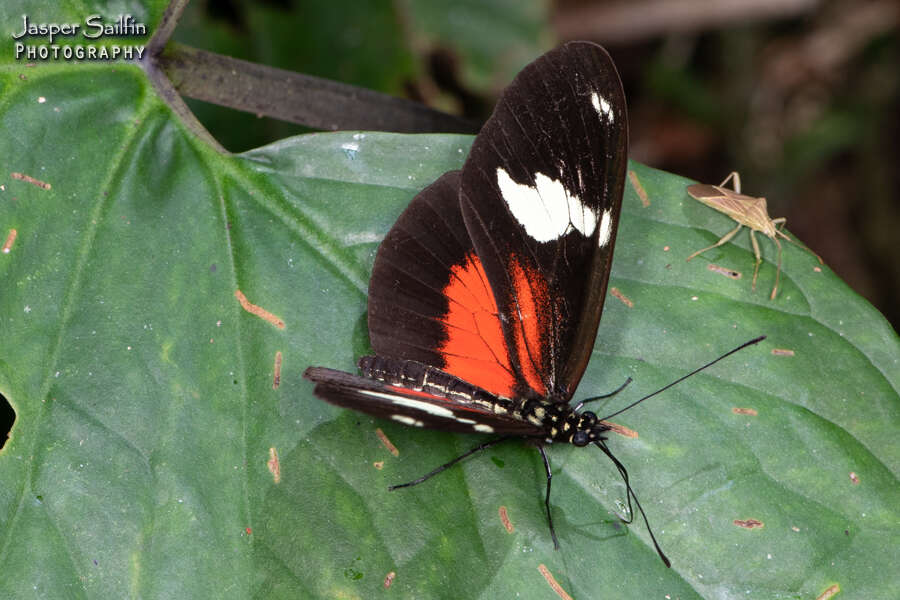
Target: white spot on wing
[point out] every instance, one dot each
(421, 405)
(605, 228)
(482, 428)
(407, 420)
(548, 210)
(602, 106)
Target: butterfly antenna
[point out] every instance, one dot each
(629, 494)
(603, 396)
(682, 378)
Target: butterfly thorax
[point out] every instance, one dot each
(563, 423)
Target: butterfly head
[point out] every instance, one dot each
(588, 429)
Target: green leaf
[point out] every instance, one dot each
(139, 461)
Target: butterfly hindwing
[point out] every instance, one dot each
(420, 396)
(541, 194)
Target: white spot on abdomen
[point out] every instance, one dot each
(548, 210)
(420, 405)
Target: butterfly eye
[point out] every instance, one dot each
(589, 416)
(580, 438)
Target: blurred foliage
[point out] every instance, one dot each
(806, 108)
(452, 55)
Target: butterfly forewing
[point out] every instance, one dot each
(490, 285)
(541, 194)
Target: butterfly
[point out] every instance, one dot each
(486, 295)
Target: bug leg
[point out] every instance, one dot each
(446, 466)
(782, 221)
(724, 240)
(735, 181)
(778, 272)
(547, 498)
(758, 255)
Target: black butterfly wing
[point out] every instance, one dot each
(541, 193)
(470, 282)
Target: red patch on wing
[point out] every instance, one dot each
(475, 349)
(533, 300)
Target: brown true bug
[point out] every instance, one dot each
(745, 210)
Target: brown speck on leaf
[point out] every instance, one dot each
(638, 188)
(620, 429)
(10, 239)
(258, 310)
(29, 179)
(782, 352)
(378, 464)
(666, 248)
(276, 377)
(854, 478)
(831, 592)
(616, 292)
(389, 579)
(795, 528)
(387, 443)
(504, 518)
(744, 411)
(274, 465)
(553, 583)
(749, 523)
(729, 273)
(817, 269)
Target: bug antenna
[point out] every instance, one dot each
(629, 494)
(683, 377)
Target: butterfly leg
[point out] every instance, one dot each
(725, 239)
(547, 498)
(446, 466)
(629, 494)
